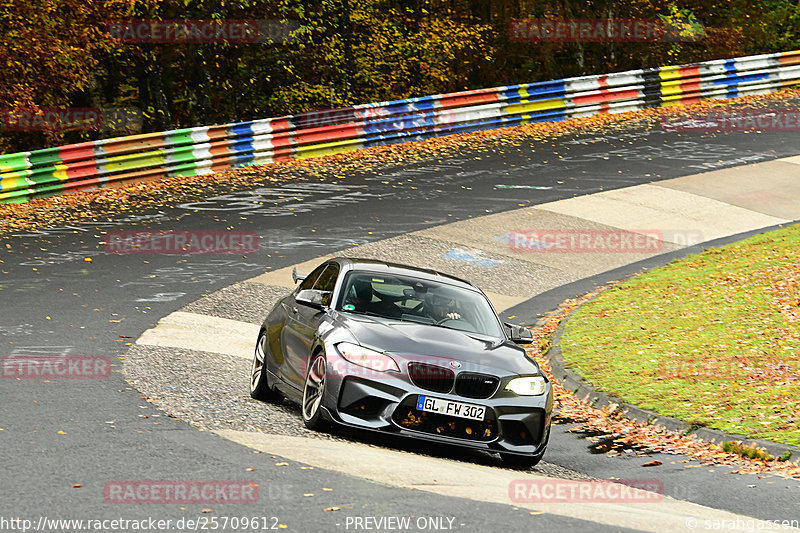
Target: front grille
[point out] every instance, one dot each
(431, 377)
(407, 416)
(476, 385)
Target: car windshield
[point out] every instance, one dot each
(419, 300)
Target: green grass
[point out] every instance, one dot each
(752, 451)
(712, 339)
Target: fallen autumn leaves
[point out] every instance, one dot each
(610, 421)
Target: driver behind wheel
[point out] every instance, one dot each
(440, 307)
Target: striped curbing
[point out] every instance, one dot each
(202, 333)
(207, 149)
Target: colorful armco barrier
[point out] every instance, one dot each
(202, 150)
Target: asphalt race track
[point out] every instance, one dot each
(62, 294)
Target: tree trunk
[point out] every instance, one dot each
(347, 31)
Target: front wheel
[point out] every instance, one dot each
(313, 393)
(259, 383)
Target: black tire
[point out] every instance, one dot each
(313, 395)
(260, 388)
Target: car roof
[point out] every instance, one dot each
(374, 265)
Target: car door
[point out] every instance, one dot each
(290, 340)
(302, 323)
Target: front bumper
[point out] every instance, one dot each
(386, 401)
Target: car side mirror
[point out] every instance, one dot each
(297, 277)
(520, 334)
(312, 298)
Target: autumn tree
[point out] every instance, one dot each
(59, 53)
(48, 53)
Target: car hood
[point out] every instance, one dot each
(438, 345)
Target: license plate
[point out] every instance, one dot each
(447, 407)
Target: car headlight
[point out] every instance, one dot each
(529, 386)
(358, 355)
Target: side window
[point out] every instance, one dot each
(308, 283)
(327, 281)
